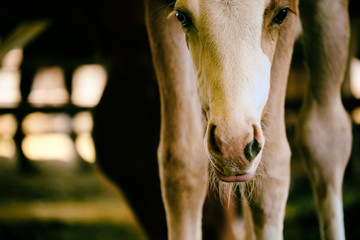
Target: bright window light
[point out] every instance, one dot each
(12, 59)
(355, 77)
(46, 123)
(86, 148)
(88, 85)
(83, 123)
(50, 146)
(10, 95)
(356, 115)
(7, 147)
(48, 88)
(8, 125)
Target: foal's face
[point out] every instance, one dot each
(232, 43)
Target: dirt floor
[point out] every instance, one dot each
(62, 201)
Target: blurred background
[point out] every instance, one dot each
(79, 125)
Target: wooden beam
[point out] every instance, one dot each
(22, 35)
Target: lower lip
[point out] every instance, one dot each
(237, 178)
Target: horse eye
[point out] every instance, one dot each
(280, 16)
(183, 19)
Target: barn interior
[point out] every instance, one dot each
(79, 109)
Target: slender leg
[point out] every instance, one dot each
(324, 129)
(264, 210)
(181, 156)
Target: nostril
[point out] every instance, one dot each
(257, 133)
(252, 149)
(213, 143)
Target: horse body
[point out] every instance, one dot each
(222, 67)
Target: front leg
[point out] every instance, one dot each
(264, 207)
(324, 129)
(181, 156)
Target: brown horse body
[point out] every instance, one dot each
(222, 74)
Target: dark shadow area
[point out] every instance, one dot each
(126, 134)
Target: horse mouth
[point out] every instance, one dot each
(235, 178)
